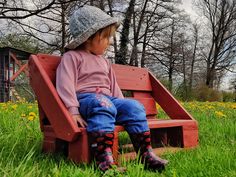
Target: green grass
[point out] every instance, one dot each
(20, 147)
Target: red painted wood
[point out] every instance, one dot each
(138, 94)
(52, 105)
(181, 130)
(115, 145)
(42, 116)
(49, 140)
(79, 150)
(13, 56)
(168, 103)
(190, 136)
(147, 100)
(149, 104)
(155, 123)
(49, 64)
(16, 74)
(132, 78)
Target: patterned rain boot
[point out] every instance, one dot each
(101, 147)
(142, 145)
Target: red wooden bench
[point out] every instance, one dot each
(61, 134)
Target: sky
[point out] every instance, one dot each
(188, 7)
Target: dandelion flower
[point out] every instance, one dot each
(31, 118)
(32, 114)
(23, 115)
(14, 106)
(220, 114)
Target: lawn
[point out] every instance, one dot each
(20, 147)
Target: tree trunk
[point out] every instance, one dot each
(194, 57)
(134, 53)
(114, 37)
(121, 55)
(63, 25)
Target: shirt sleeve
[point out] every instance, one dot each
(115, 89)
(66, 77)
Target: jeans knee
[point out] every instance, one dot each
(132, 108)
(97, 104)
(134, 104)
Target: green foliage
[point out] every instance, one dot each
(204, 93)
(165, 82)
(21, 42)
(201, 93)
(183, 93)
(229, 96)
(23, 88)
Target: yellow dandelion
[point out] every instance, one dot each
(31, 118)
(23, 115)
(14, 106)
(233, 106)
(220, 114)
(32, 114)
(30, 107)
(209, 107)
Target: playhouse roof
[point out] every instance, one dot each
(20, 54)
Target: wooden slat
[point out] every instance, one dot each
(149, 104)
(138, 94)
(132, 78)
(49, 64)
(16, 74)
(191, 124)
(172, 123)
(168, 103)
(47, 96)
(147, 100)
(18, 63)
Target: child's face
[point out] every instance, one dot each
(98, 45)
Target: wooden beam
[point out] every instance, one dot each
(22, 68)
(18, 63)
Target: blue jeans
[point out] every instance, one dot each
(102, 112)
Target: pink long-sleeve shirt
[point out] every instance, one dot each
(83, 72)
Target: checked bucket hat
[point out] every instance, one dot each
(85, 22)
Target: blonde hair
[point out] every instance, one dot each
(106, 32)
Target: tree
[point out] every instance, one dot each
(195, 48)
(233, 86)
(121, 55)
(22, 42)
(45, 21)
(221, 17)
(15, 9)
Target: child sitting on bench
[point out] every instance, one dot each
(87, 85)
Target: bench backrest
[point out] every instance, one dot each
(132, 79)
(140, 83)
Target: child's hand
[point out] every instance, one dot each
(80, 120)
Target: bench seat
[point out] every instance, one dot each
(60, 134)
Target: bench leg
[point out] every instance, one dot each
(51, 144)
(115, 145)
(190, 136)
(49, 140)
(78, 151)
